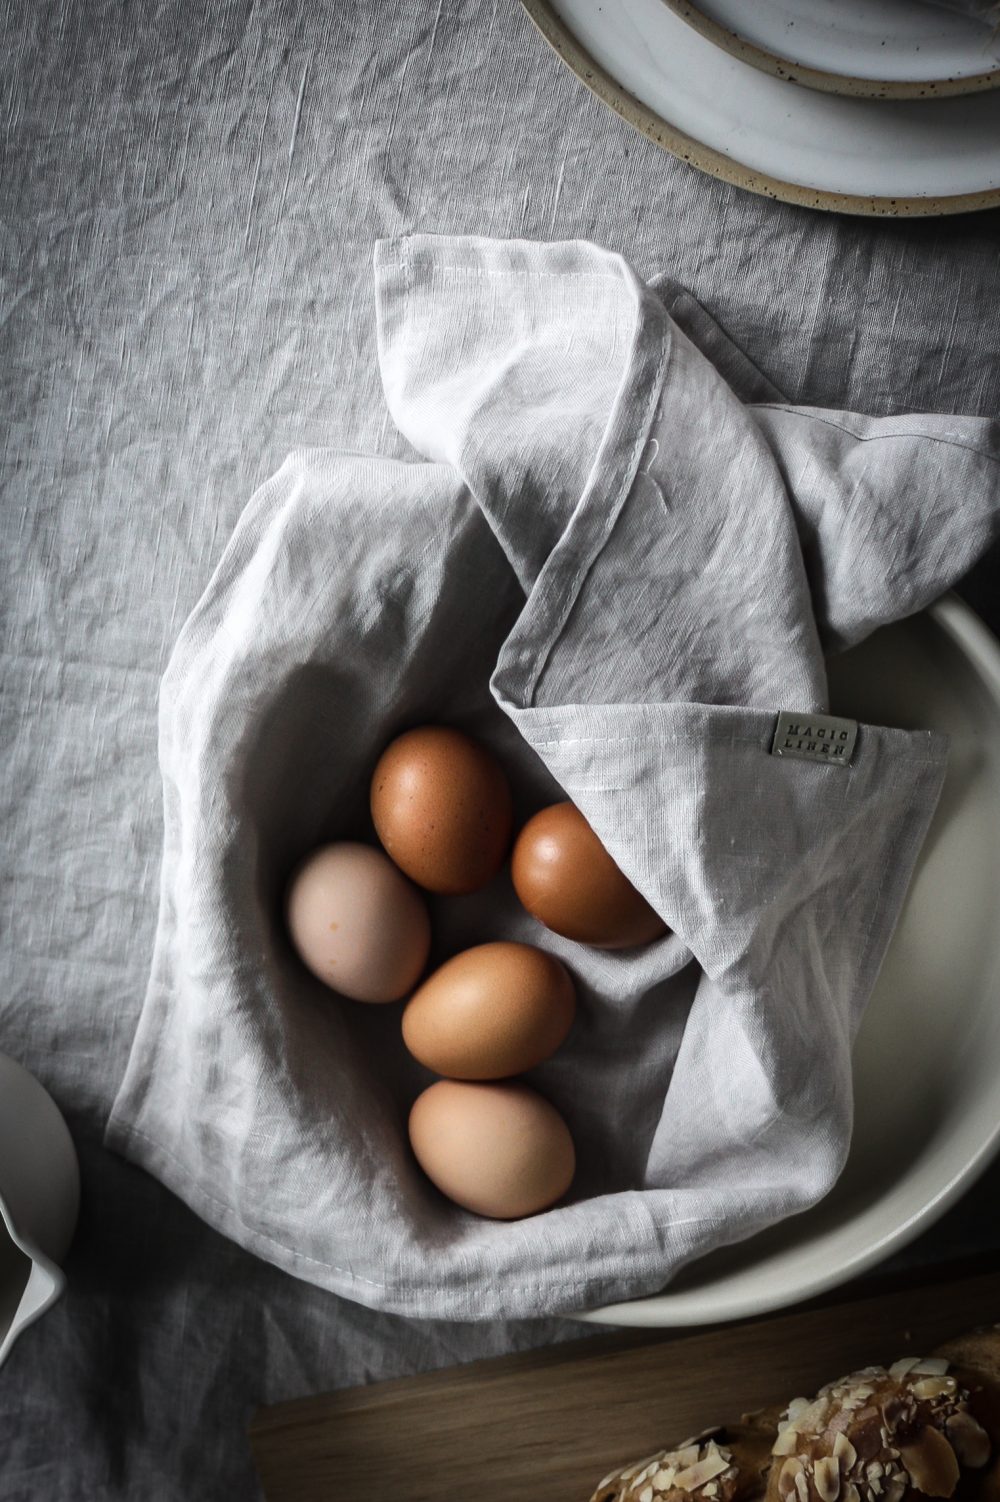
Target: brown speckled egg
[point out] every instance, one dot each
(442, 809)
(499, 1150)
(357, 923)
(489, 1012)
(568, 881)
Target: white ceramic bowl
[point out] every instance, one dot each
(39, 1200)
(828, 151)
(927, 1059)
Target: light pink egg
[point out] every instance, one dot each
(357, 923)
(499, 1150)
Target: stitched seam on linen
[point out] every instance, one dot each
(408, 284)
(875, 437)
(454, 272)
(729, 740)
(203, 1193)
(643, 740)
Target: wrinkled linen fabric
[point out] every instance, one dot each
(189, 200)
(645, 571)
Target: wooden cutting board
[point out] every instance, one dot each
(546, 1426)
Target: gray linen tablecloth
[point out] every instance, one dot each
(189, 201)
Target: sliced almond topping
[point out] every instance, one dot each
(875, 1485)
(827, 1477)
(704, 1470)
(685, 1455)
(931, 1366)
(786, 1476)
(970, 1440)
(844, 1451)
(638, 1465)
(802, 1487)
(901, 1368)
(851, 1493)
(798, 1406)
(646, 1495)
(932, 1464)
(863, 1374)
(933, 1387)
(611, 1476)
(787, 1442)
(698, 1439)
(664, 1477)
(711, 1489)
(874, 1469)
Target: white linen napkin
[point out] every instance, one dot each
(618, 574)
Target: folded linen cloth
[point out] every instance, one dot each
(618, 574)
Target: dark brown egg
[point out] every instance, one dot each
(490, 1012)
(565, 877)
(442, 809)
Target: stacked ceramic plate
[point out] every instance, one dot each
(866, 106)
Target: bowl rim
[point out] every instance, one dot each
(828, 80)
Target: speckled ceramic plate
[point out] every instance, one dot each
(828, 151)
(882, 49)
(927, 1059)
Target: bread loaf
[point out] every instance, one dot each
(721, 1465)
(924, 1427)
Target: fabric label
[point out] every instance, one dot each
(815, 737)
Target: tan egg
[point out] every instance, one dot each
(491, 1011)
(499, 1150)
(568, 881)
(442, 809)
(357, 923)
